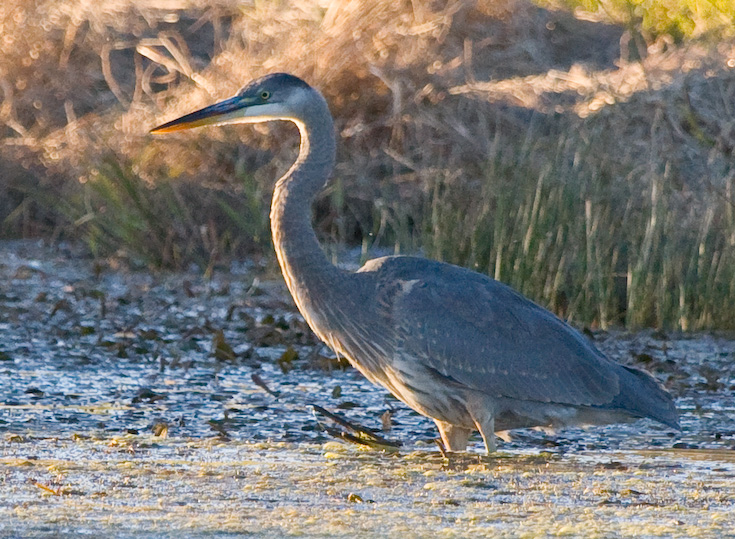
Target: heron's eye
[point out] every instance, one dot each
(265, 95)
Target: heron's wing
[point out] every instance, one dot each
(488, 337)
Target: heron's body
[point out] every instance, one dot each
(454, 345)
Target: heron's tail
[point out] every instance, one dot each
(641, 395)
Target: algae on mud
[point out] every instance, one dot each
(203, 488)
(94, 364)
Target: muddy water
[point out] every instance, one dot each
(129, 407)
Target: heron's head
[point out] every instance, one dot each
(274, 97)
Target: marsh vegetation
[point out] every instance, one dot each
(583, 157)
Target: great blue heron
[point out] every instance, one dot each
(454, 345)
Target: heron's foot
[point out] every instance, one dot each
(490, 445)
(486, 426)
(454, 438)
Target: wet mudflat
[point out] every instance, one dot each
(134, 404)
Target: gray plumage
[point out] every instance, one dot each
(455, 345)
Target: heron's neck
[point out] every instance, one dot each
(310, 276)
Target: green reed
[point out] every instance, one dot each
(595, 242)
(167, 224)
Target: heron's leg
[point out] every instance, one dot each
(487, 430)
(454, 437)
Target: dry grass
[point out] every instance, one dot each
(498, 135)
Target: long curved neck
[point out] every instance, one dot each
(311, 278)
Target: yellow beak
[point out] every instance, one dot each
(219, 113)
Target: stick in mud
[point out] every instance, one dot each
(364, 436)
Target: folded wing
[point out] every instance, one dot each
(481, 333)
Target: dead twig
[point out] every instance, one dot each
(364, 436)
(258, 381)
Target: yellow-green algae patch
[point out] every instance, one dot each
(131, 486)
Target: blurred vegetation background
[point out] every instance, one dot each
(579, 150)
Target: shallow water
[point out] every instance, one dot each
(93, 367)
